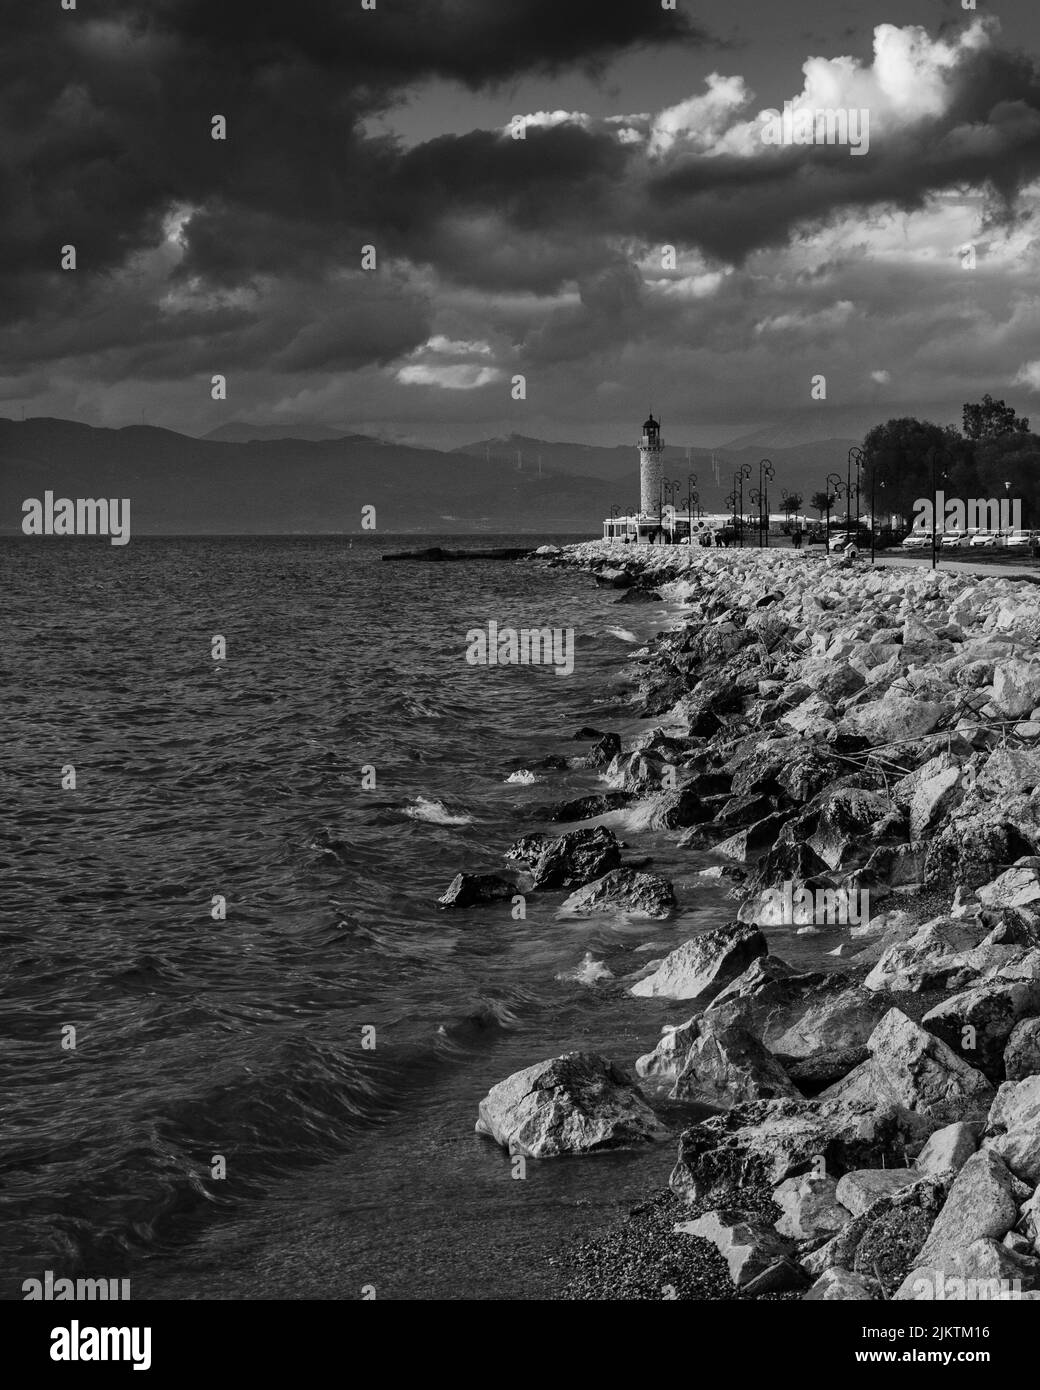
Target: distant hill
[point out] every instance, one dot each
(821, 422)
(242, 432)
(180, 485)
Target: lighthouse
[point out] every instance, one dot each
(651, 452)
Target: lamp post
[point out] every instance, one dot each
(731, 501)
(738, 485)
(833, 482)
(692, 497)
(755, 498)
(689, 503)
(856, 457)
(933, 456)
(765, 473)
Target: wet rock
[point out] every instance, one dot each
(915, 1071)
(586, 807)
(748, 1247)
(701, 967)
(475, 890)
(623, 890)
(635, 595)
(571, 860)
(750, 843)
(575, 1104)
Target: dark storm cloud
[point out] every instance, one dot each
(107, 112)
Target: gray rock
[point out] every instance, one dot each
(571, 860)
(915, 1071)
(981, 1203)
(1016, 687)
(473, 890)
(623, 890)
(762, 1143)
(977, 1023)
(810, 1207)
(928, 959)
(748, 1247)
(947, 1151)
(1019, 886)
(893, 718)
(575, 1104)
(1022, 1053)
(842, 1286)
(1013, 1128)
(716, 1061)
(701, 967)
(859, 1190)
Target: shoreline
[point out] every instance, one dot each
(872, 732)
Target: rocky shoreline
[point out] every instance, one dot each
(855, 741)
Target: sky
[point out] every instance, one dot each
(643, 245)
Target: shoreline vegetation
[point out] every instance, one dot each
(871, 1131)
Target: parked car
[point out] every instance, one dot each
(917, 540)
(839, 540)
(1018, 540)
(953, 540)
(984, 540)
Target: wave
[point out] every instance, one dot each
(524, 777)
(430, 809)
(588, 972)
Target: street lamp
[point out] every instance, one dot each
(765, 473)
(738, 485)
(691, 483)
(856, 456)
(833, 481)
(731, 501)
(932, 457)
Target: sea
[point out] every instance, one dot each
(243, 1046)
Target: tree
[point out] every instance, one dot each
(990, 419)
(898, 455)
(820, 502)
(790, 502)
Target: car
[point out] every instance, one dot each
(1018, 540)
(917, 540)
(985, 540)
(839, 540)
(952, 540)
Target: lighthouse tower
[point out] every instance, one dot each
(651, 453)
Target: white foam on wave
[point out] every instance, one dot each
(524, 777)
(588, 972)
(622, 634)
(429, 809)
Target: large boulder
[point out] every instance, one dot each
(894, 718)
(977, 1023)
(1016, 687)
(704, 965)
(915, 1071)
(1022, 1053)
(1018, 886)
(476, 890)
(884, 1240)
(570, 860)
(715, 1060)
(981, 1203)
(984, 1271)
(622, 890)
(575, 1104)
(928, 959)
(748, 1247)
(947, 1151)
(764, 1142)
(1013, 1128)
(810, 1207)
(859, 1190)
